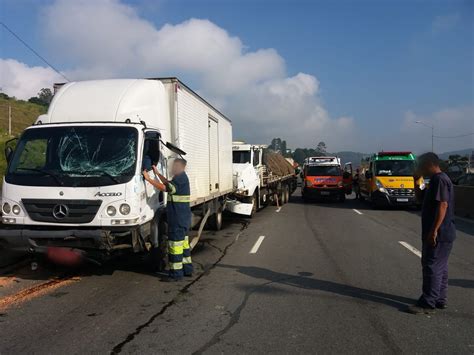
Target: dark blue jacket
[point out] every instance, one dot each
(178, 208)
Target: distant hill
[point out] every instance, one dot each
(462, 152)
(24, 113)
(351, 157)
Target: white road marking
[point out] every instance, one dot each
(257, 244)
(411, 248)
(357, 211)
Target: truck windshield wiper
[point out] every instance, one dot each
(98, 172)
(45, 172)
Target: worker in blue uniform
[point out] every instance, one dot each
(438, 234)
(178, 212)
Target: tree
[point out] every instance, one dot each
(321, 148)
(44, 97)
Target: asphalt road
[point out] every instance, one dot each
(309, 278)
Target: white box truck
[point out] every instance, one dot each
(74, 178)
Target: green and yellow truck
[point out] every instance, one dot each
(387, 179)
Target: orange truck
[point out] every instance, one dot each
(324, 177)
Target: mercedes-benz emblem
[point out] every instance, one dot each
(60, 211)
(402, 185)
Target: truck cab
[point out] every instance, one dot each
(248, 177)
(323, 177)
(387, 179)
(74, 179)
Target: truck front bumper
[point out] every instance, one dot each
(27, 239)
(383, 199)
(323, 192)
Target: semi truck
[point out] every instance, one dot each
(74, 179)
(323, 176)
(261, 177)
(387, 179)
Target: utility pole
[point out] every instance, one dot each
(9, 120)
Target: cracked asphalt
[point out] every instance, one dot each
(324, 280)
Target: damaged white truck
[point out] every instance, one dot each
(74, 178)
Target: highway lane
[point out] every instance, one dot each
(312, 278)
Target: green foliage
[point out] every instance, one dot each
(23, 115)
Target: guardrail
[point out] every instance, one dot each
(464, 201)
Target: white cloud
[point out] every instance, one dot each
(19, 80)
(106, 38)
(444, 22)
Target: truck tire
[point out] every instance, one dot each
(287, 193)
(215, 221)
(342, 197)
(255, 204)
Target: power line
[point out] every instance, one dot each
(459, 136)
(35, 52)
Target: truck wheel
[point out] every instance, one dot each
(216, 220)
(342, 197)
(287, 194)
(255, 205)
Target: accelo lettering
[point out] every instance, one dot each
(108, 194)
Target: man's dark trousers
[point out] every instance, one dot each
(434, 261)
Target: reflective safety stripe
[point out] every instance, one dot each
(179, 198)
(176, 266)
(175, 248)
(171, 189)
(187, 260)
(186, 242)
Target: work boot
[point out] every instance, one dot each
(418, 308)
(441, 306)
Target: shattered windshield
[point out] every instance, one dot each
(74, 156)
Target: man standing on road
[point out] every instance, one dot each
(178, 212)
(438, 234)
(355, 183)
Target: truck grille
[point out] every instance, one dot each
(62, 211)
(401, 192)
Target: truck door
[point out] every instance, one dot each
(213, 155)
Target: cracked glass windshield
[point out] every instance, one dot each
(75, 156)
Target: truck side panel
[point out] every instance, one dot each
(193, 138)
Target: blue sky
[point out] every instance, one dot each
(381, 63)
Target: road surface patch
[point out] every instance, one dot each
(257, 244)
(35, 291)
(411, 248)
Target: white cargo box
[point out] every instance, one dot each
(206, 136)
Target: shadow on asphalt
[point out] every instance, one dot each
(303, 280)
(461, 283)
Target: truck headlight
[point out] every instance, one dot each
(380, 186)
(124, 209)
(111, 211)
(16, 209)
(6, 208)
(340, 184)
(308, 183)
